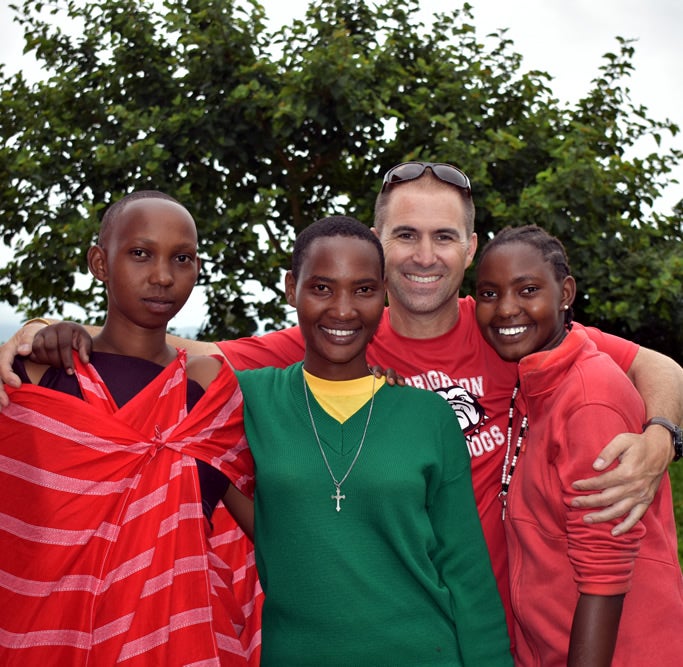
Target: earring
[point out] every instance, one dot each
(565, 307)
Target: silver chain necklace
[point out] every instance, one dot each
(338, 496)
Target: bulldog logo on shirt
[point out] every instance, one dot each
(482, 438)
(467, 408)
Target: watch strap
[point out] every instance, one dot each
(676, 433)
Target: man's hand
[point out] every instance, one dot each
(19, 344)
(627, 490)
(392, 377)
(53, 345)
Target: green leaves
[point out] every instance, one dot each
(259, 133)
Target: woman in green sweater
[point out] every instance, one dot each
(368, 543)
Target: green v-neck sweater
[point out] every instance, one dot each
(400, 576)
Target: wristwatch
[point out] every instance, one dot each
(676, 434)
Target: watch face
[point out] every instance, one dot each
(677, 434)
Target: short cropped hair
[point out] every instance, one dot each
(115, 210)
(335, 225)
(426, 181)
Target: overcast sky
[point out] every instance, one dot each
(565, 39)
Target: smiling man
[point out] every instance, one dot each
(429, 240)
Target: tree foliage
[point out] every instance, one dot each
(259, 131)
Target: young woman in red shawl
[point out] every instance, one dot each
(110, 478)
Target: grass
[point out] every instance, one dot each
(676, 474)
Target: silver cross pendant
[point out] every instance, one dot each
(338, 497)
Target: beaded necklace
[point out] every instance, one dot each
(508, 465)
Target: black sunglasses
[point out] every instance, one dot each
(409, 171)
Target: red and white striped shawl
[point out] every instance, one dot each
(105, 556)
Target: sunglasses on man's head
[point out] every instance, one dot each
(409, 171)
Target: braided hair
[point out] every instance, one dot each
(550, 247)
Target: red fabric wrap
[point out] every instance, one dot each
(105, 556)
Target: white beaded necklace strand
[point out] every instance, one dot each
(507, 471)
(337, 484)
